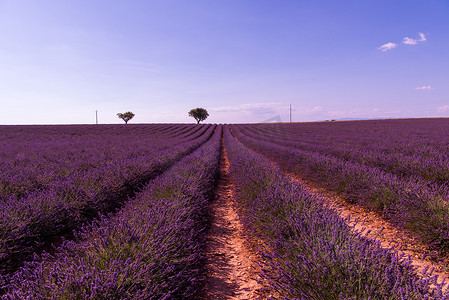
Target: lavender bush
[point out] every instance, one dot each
(35, 157)
(151, 249)
(310, 253)
(403, 147)
(414, 204)
(40, 216)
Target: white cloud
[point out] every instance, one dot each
(251, 112)
(406, 41)
(443, 108)
(266, 107)
(410, 41)
(317, 108)
(422, 37)
(423, 88)
(387, 46)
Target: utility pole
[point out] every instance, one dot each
(290, 112)
(96, 117)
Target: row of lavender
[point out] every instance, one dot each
(414, 204)
(31, 158)
(309, 251)
(389, 135)
(151, 249)
(92, 184)
(403, 147)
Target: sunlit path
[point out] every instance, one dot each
(231, 266)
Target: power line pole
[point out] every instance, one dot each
(96, 117)
(290, 112)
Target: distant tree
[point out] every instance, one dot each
(199, 114)
(126, 116)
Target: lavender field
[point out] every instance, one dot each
(122, 211)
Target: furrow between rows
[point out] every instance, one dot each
(231, 267)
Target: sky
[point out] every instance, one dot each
(245, 61)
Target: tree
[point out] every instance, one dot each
(199, 114)
(126, 116)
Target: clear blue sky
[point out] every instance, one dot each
(244, 61)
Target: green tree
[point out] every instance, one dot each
(199, 114)
(126, 116)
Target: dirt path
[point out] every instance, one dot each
(231, 268)
(372, 225)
